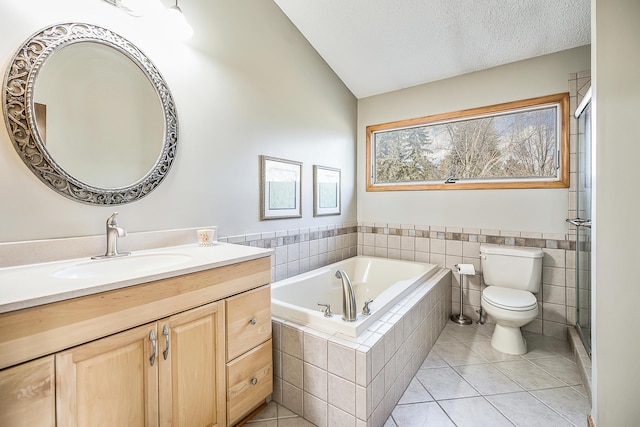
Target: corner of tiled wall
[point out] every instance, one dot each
(448, 246)
(300, 250)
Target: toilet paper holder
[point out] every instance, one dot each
(463, 270)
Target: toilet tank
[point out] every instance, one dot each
(509, 267)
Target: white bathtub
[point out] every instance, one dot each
(386, 281)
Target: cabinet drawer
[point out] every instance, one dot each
(248, 320)
(249, 381)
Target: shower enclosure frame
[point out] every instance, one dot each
(583, 221)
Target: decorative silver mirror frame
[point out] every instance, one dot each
(20, 118)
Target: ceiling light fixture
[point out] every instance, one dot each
(137, 8)
(178, 22)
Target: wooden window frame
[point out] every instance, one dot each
(562, 180)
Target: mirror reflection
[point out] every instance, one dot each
(89, 114)
(98, 115)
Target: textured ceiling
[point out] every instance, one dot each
(377, 46)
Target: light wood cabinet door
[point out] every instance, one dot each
(109, 382)
(192, 381)
(27, 395)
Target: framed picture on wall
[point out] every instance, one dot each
(280, 188)
(326, 191)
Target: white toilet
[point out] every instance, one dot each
(512, 276)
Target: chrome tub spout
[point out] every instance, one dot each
(349, 307)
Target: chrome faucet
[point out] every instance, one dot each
(113, 232)
(349, 307)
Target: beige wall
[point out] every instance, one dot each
(248, 83)
(615, 71)
(536, 210)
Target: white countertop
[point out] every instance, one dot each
(36, 284)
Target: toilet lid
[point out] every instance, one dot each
(509, 299)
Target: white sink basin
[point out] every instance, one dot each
(129, 265)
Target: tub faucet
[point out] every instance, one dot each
(113, 232)
(349, 307)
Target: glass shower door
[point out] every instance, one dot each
(583, 223)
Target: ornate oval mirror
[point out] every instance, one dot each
(90, 114)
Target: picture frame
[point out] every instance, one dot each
(280, 188)
(327, 199)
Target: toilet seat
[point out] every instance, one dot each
(509, 299)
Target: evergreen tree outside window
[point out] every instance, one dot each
(522, 144)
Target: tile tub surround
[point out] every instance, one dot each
(300, 250)
(448, 246)
(334, 380)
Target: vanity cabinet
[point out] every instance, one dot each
(163, 373)
(191, 350)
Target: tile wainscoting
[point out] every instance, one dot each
(300, 250)
(448, 246)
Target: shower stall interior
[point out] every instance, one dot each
(583, 222)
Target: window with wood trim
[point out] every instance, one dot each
(521, 144)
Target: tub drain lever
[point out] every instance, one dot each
(327, 309)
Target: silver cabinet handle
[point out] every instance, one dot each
(254, 381)
(253, 321)
(165, 332)
(154, 347)
(579, 222)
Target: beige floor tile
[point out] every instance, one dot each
(390, 422)
(527, 375)
(524, 410)
(487, 379)
(263, 423)
(294, 422)
(270, 412)
(473, 412)
(484, 349)
(457, 354)
(560, 367)
(415, 393)
(466, 333)
(568, 402)
(420, 415)
(445, 383)
(433, 360)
